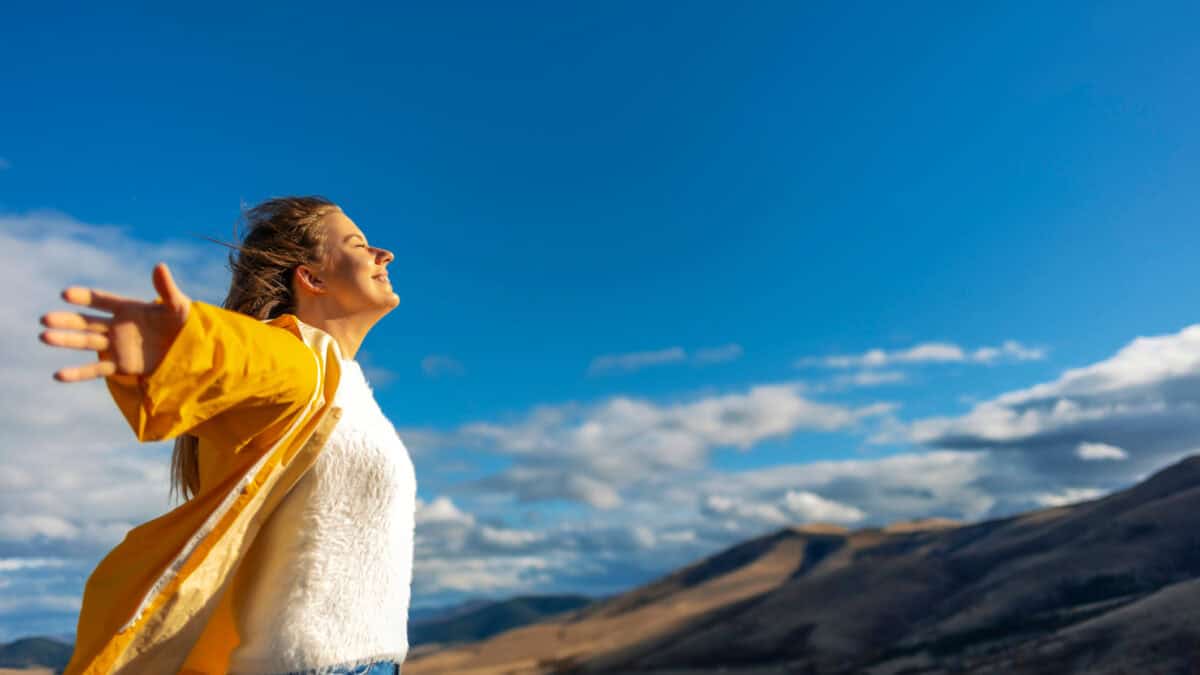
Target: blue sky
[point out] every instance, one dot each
(629, 240)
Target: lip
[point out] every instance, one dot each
(382, 277)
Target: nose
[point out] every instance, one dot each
(385, 254)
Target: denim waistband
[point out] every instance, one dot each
(373, 668)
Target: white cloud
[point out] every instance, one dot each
(676, 537)
(73, 475)
(531, 483)
(441, 510)
(40, 603)
(509, 539)
(928, 352)
(635, 360)
(728, 352)
(378, 377)
(73, 479)
(456, 552)
(15, 564)
(480, 575)
(889, 430)
(871, 378)
(1068, 496)
(672, 519)
(1100, 451)
(884, 489)
(1152, 378)
(720, 505)
(1105, 425)
(444, 528)
(637, 472)
(436, 364)
(644, 536)
(659, 504)
(809, 506)
(590, 454)
(1011, 349)
(23, 526)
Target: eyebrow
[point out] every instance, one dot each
(353, 234)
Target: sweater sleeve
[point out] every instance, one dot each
(221, 360)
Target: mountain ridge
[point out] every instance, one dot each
(925, 596)
(1108, 585)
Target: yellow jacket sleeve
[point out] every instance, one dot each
(220, 360)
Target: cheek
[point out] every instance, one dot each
(365, 268)
(361, 272)
(348, 272)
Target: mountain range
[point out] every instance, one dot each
(1105, 587)
(475, 619)
(1101, 587)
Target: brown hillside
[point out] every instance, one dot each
(925, 597)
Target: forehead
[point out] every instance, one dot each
(338, 227)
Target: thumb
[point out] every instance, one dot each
(167, 290)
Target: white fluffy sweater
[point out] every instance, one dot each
(328, 577)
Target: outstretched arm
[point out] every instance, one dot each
(176, 363)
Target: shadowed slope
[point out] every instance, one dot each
(915, 597)
(744, 572)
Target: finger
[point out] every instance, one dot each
(91, 297)
(164, 283)
(76, 321)
(87, 372)
(74, 340)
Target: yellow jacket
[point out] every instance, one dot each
(259, 395)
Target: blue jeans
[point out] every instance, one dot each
(373, 668)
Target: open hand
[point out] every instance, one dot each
(132, 341)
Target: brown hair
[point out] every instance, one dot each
(280, 234)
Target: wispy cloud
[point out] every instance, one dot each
(1153, 383)
(730, 352)
(14, 564)
(74, 479)
(73, 472)
(1068, 496)
(1097, 427)
(928, 352)
(634, 361)
(456, 552)
(1100, 452)
(435, 365)
(670, 519)
(859, 380)
(796, 506)
(641, 471)
(635, 474)
(378, 376)
(589, 454)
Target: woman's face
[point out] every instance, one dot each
(355, 274)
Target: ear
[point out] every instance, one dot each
(305, 278)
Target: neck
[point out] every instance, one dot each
(348, 330)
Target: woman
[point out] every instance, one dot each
(292, 552)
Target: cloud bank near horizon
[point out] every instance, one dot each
(596, 496)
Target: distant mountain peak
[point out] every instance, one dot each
(1117, 576)
(922, 524)
(819, 528)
